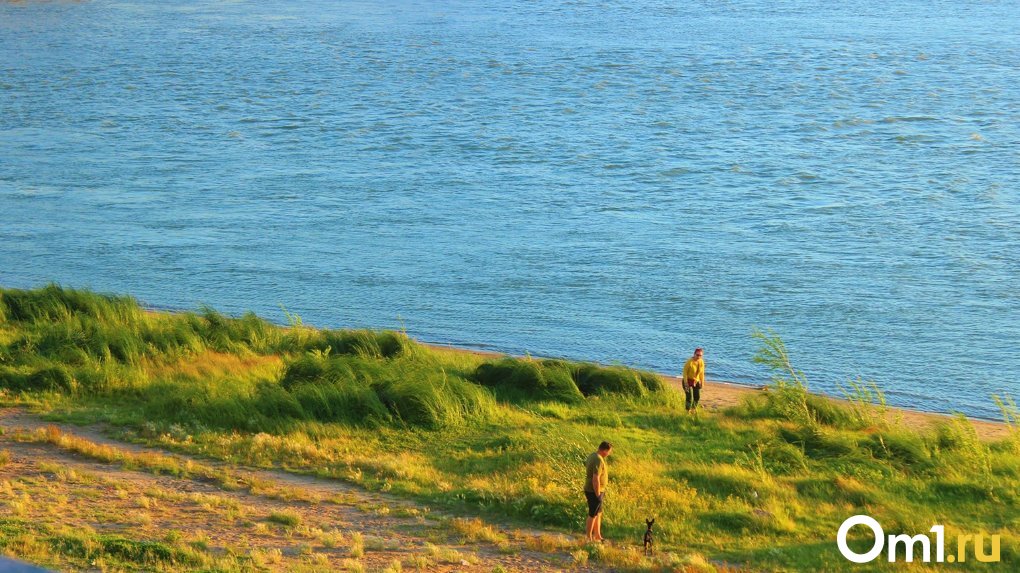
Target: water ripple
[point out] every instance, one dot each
(603, 181)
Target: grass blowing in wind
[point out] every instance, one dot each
(766, 483)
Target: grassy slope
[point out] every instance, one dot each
(767, 483)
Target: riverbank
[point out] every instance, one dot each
(719, 395)
(759, 479)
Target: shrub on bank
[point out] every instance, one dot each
(347, 402)
(562, 381)
(433, 400)
(359, 389)
(595, 380)
(514, 379)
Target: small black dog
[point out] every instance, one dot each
(648, 536)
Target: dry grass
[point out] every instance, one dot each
(549, 543)
(448, 556)
(285, 518)
(331, 539)
(475, 530)
(421, 562)
(353, 565)
(618, 557)
(357, 547)
(377, 543)
(158, 464)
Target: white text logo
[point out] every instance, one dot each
(911, 543)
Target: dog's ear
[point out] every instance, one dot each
(652, 521)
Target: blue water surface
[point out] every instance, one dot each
(617, 181)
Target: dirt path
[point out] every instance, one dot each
(314, 524)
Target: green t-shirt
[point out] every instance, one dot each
(596, 465)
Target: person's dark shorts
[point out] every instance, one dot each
(594, 503)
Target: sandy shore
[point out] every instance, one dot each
(719, 394)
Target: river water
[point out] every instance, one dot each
(616, 181)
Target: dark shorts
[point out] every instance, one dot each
(594, 503)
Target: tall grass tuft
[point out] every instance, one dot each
(342, 401)
(54, 303)
(787, 397)
(867, 403)
(526, 380)
(516, 379)
(596, 380)
(434, 400)
(366, 390)
(958, 451)
(788, 394)
(1011, 417)
(363, 343)
(249, 333)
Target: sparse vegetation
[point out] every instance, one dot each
(285, 518)
(353, 565)
(475, 530)
(43, 543)
(357, 547)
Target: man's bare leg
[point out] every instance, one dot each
(589, 527)
(597, 530)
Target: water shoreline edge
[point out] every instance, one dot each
(722, 394)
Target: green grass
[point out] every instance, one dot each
(765, 483)
(285, 518)
(82, 548)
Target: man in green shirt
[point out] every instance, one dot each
(596, 479)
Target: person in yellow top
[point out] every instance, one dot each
(694, 379)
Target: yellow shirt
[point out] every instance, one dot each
(694, 371)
